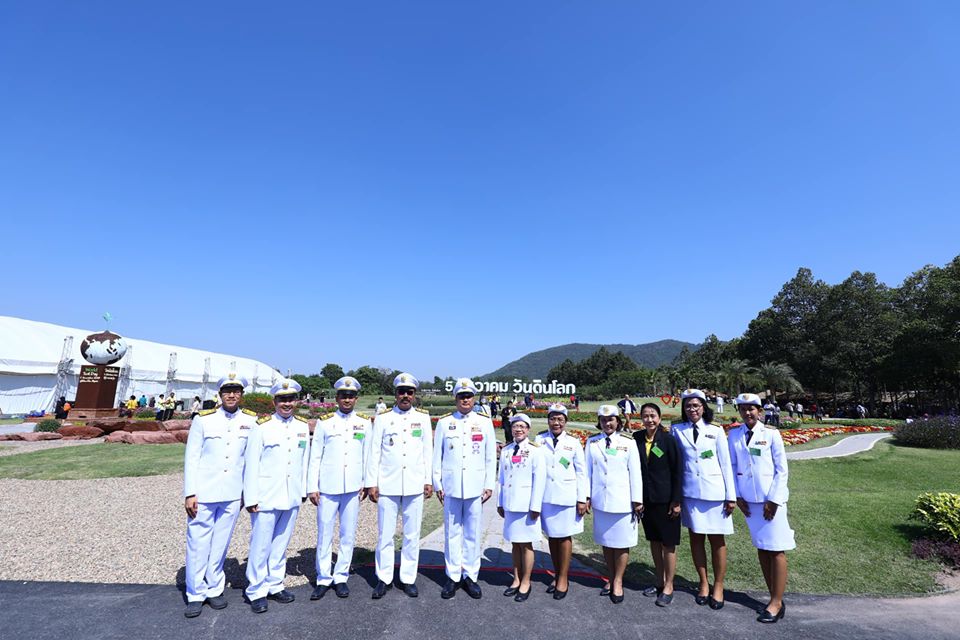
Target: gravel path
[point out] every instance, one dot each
(127, 530)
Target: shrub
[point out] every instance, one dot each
(144, 414)
(935, 433)
(49, 425)
(940, 514)
(259, 403)
(864, 422)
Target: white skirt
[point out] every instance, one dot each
(705, 516)
(559, 521)
(770, 535)
(614, 530)
(518, 527)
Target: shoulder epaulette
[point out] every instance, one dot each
(446, 415)
(544, 432)
(387, 410)
(207, 412)
(532, 443)
(248, 412)
(327, 416)
(302, 419)
(483, 412)
(422, 410)
(264, 419)
(596, 437)
(362, 415)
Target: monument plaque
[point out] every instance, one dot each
(97, 383)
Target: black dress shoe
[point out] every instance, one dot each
(341, 589)
(559, 595)
(616, 599)
(605, 591)
(511, 591)
(449, 589)
(259, 605)
(410, 590)
(472, 589)
(283, 596)
(217, 602)
(702, 600)
(193, 609)
(716, 605)
(651, 592)
(664, 599)
(380, 590)
(521, 596)
(767, 617)
(319, 591)
(551, 588)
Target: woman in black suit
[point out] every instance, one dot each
(662, 470)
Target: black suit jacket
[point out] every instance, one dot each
(663, 475)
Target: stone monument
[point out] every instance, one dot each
(97, 386)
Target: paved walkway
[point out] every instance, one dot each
(846, 447)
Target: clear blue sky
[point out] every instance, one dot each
(443, 187)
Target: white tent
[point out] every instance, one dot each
(41, 361)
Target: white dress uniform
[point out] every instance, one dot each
(760, 469)
(213, 472)
(566, 484)
(275, 480)
(615, 480)
(464, 466)
(336, 473)
(399, 453)
(523, 479)
(707, 478)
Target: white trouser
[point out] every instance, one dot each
(347, 505)
(267, 559)
(461, 537)
(411, 508)
(208, 537)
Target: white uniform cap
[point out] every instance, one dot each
(607, 410)
(557, 408)
(748, 398)
(693, 393)
(519, 417)
(464, 385)
(347, 383)
(285, 387)
(232, 380)
(405, 380)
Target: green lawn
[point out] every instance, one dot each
(10, 420)
(94, 461)
(850, 517)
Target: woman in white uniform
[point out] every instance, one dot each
(616, 494)
(523, 477)
(565, 497)
(760, 467)
(709, 494)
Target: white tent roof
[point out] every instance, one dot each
(30, 354)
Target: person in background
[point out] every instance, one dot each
(169, 405)
(759, 464)
(142, 402)
(195, 408)
(160, 408)
(505, 414)
(380, 407)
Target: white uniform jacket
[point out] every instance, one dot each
(760, 466)
(400, 452)
(213, 462)
(706, 464)
(566, 470)
(614, 474)
(523, 477)
(277, 456)
(337, 453)
(464, 455)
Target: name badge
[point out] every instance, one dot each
(706, 454)
(359, 435)
(303, 444)
(477, 437)
(611, 451)
(416, 433)
(564, 462)
(516, 459)
(754, 451)
(656, 450)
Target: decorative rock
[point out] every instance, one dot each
(11, 436)
(118, 437)
(181, 435)
(176, 425)
(37, 437)
(109, 426)
(81, 433)
(148, 437)
(142, 425)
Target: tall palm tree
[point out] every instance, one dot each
(735, 374)
(778, 376)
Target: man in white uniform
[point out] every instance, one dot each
(212, 486)
(335, 484)
(464, 476)
(398, 478)
(274, 487)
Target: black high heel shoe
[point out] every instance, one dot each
(768, 618)
(716, 605)
(616, 599)
(511, 591)
(521, 596)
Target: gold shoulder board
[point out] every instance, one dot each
(264, 419)
(248, 412)
(207, 412)
(302, 419)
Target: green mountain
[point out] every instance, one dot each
(537, 364)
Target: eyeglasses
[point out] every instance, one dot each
(231, 392)
(406, 392)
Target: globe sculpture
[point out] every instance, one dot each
(103, 348)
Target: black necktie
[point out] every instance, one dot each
(608, 442)
(696, 433)
(749, 435)
(555, 438)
